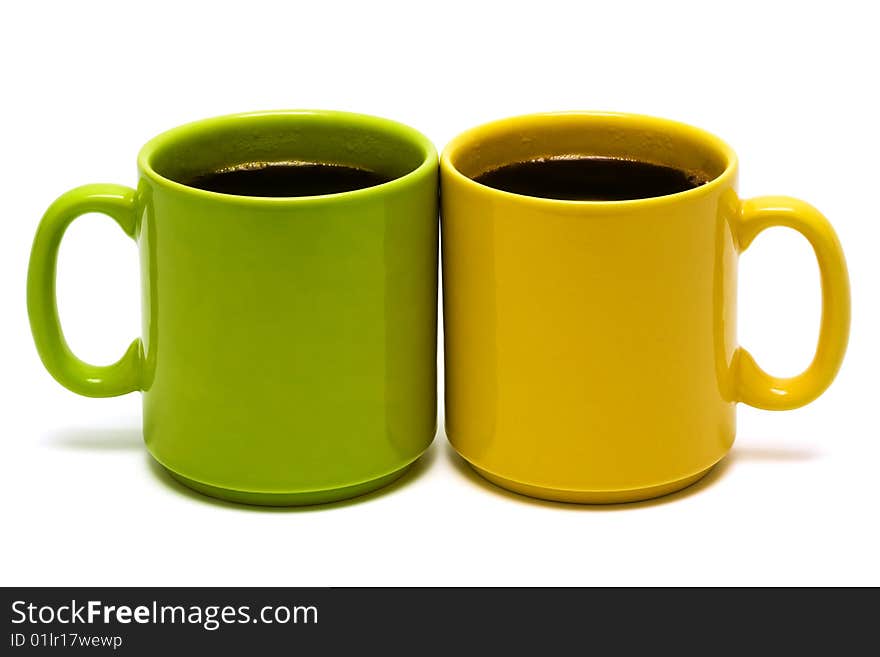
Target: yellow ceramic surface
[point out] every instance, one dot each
(591, 351)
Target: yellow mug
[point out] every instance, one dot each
(591, 351)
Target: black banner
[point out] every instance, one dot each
(330, 621)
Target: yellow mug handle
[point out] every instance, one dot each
(754, 386)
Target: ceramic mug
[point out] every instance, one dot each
(289, 344)
(591, 351)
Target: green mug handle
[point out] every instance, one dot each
(123, 376)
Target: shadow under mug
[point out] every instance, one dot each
(288, 353)
(590, 346)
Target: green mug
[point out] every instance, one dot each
(289, 344)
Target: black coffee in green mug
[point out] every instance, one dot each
(287, 179)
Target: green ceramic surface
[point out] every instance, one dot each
(289, 344)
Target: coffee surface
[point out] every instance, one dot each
(589, 178)
(286, 179)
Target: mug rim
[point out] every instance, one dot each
(473, 135)
(387, 126)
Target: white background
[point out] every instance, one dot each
(792, 86)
